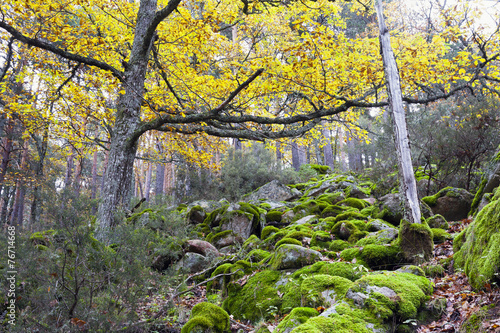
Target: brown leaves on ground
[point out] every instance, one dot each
(461, 300)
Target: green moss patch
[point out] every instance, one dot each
(298, 316)
(478, 247)
(207, 317)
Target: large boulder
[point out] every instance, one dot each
(273, 190)
(452, 203)
(477, 248)
(242, 218)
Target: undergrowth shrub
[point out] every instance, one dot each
(74, 282)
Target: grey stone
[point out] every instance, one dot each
(273, 191)
(289, 256)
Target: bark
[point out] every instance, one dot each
(327, 149)
(295, 156)
(416, 242)
(147, 186)
(124, 139)
(7, 149)
(402, 141)
(93, 184)
(18, 212)
(237, 144)
(69, 171)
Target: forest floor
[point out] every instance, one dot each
(462, 300)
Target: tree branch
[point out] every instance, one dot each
(60, 52)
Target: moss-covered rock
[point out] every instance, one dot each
(298, 316)
(323, 289)
(274, 216)
(338, 245)
(321, 238)
(344, 229)
(380, 237)
(257, 255)
(334, 323)
(268, 231)
(439, 235)
(391, 294)
(288, 240)
(381, 256)
(207, 317)
(477, 249)
(354, 202)
(452, 203)
(289, 256)
(415, 240)
(255, 300)
(437, 221)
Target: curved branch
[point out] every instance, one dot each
(60, 52)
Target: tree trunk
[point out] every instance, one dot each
(118, 177)
(416, 239)
(147, 186)
(295, 156)
(93, 184)
(7, 149)
(327, 149)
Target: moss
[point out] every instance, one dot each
(300, 235)
(44, 238)
(332, 198)
(354, 202)
(257, 255)
(222, 281)
(287, 240)
(412, 290)
(479, 195)
(323, 289)
(350, 215)
(459, 240)
(333, 210)
(267, 231)
(357, 235)
(334, 323)
(274, 216)
(321, 238)
(343, 229)
(298, 316)
(320, 169)
(338, 245)
(479, 255)
(253, 300)
(212, 238)
(251, 243)
(350, 253)
(415, 241)
(382, 257)
(360, 224)
(439, 235)
(437, 221)
(370, 211)
(473, 324)
(433, 270)
(207, 316)
(265, 206)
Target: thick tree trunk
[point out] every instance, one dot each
(93, 184)
(416, 239)
(118, 177)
